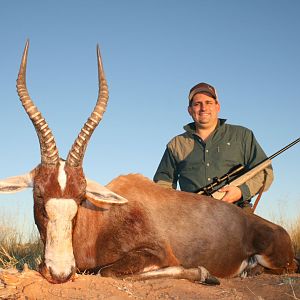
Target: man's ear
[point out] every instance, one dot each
(98, 194)
(189, 110)
(219, 106)
(17, 183)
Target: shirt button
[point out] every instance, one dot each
(208, 179)
(207, 164)
(206, 150)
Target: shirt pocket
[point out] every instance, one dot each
(229, 154)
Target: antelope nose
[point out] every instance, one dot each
(61, 278)
(53, 277)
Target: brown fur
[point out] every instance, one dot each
(163, 227)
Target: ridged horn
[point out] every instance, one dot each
(76, 154)
(49, 152)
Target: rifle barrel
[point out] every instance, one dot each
(285, 148)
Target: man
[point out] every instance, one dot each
(210, 148)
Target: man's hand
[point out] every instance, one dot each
(232, 193)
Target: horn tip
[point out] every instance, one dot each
(98, 51)
(27, 43)
(26, 50)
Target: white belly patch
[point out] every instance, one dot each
(262, 261)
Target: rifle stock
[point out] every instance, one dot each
(244, 178)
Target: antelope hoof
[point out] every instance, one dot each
(206, 278)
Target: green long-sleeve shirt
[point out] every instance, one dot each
(194, 163)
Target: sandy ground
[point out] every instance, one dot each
(30, 285)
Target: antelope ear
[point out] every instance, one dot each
(98, 194)
(17, 183)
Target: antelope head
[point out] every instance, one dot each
(59, 186)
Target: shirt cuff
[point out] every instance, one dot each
(246, 195)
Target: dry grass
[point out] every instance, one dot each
(14, 252)
(294, 231)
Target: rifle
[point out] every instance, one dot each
(239, 175)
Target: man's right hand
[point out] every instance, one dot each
(232, 193)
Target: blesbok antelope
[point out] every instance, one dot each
(133, 226)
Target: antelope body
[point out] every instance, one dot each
(132, 226)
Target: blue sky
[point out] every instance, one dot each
(153, 53)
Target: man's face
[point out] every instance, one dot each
(204, 110)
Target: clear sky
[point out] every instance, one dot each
(153, 53)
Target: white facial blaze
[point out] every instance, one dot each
(62, 176)
(59, 250)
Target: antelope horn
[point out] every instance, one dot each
(49, 152)
(76, 154)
